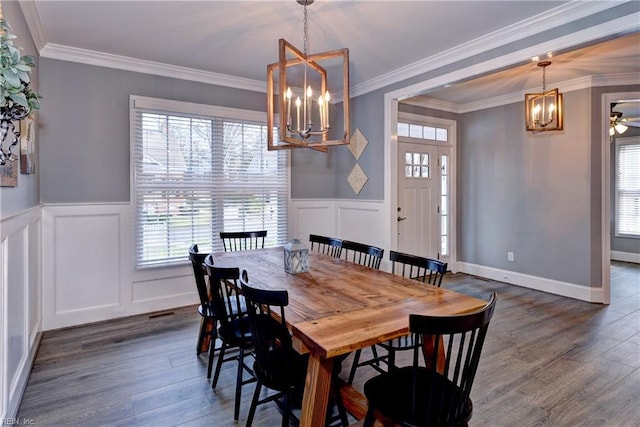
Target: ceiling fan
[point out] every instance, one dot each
(618, 124)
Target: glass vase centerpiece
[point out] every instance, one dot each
(296, 257)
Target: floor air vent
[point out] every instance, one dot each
(162, 314)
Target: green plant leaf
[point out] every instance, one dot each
(14, 72)
(11, 78)
(20, 99)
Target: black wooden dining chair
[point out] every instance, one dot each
(277, 365)
(242, 240)
(234, 330)
(326, 245)
(208, 323)
(370, 256)
(437, 392)
(362, 254)
(426, 270)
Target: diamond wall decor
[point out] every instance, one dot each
(358, 144)
(357, 179)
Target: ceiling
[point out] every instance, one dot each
(239, 38)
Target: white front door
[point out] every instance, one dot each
(418, 194)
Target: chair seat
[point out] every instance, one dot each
(238, 333)
(277, 377)
(397, 404)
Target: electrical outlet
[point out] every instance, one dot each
(510, 256)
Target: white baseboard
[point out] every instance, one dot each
(625, 257)
(556, 287)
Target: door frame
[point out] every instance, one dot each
(452, 127)
(605, 181)
(389, 213)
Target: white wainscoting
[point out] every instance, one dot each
(347, 219)
(88, 268)
(357, 220)
(20, 325)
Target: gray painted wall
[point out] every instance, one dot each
(320, 175)
(27, 194)
(526, 193)
(85, 125)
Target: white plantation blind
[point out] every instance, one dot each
(199, 170)
(628, 188)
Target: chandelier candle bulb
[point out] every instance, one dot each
(288, 95)
(321, 110)
(327, 98)
(298, 112)
(309, 98)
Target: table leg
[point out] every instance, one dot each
(204, 338)
(428, 347)
(316, 391)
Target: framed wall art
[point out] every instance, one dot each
(27, 146)
(9, 174)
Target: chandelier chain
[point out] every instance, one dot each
(306, 30)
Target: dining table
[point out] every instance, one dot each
(337, 307)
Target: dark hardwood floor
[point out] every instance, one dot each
(547, 361)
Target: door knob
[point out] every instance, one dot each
(401, 218)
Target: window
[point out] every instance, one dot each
(412, 130)
(628, 187)
(416, 165)
(199, 170)
(444, 205)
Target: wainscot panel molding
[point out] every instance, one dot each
(625, 257)
(357, 220)
(20, 318)
(557, 287)
(88, 268)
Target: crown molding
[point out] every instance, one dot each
(32, 19)
(566, 86)
(101, 59)
(558, 16)
(561, 15)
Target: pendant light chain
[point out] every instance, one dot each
(306, 30)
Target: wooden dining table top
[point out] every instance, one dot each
(339, 306)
